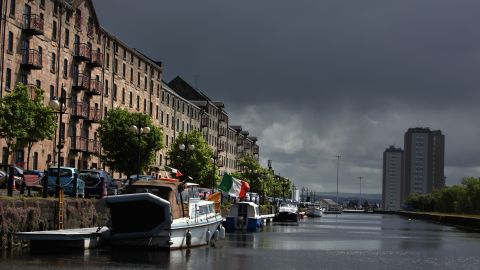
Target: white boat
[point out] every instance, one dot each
(314, 211)
(287, 212)
(155, 214)
(243, 215)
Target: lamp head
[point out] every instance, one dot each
(133, 129)
(54, 104)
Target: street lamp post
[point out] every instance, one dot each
(214, 162)
(360, 197)
(139, 131)
(58, 105)
(186, 147)
(338, 166)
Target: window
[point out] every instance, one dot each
(8, 79)
(124, 53)
(166, 138)
(108, 60)
(106, 88)
(144, 106)
(55, 9)
(131, 100)
(138, 103)
(131, 75)
(52, 92)
(123, 95)
(105, 111)
(65, 68)
(53, 63)
(114, 91)
(67, 38)
(138, 77)
(145, 83)
(156, 112)
(54, 30)
(38, 83)
(10, 42)
(168, 119)
(12, 8)
(161, 118)
(123, 70)
(115, 65)
(42, 4)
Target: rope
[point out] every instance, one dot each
(94, 186)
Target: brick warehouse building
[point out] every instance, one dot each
(60, 47)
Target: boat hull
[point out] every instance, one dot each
(286, 217)
(145, 220)
(173, 238)
(315, 212)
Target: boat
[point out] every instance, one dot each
(243, 215)
(162, 214)
(287, 212)
(314, 211)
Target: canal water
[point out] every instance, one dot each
(346, 241)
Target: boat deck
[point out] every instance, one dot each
(84, 238)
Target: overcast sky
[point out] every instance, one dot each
(313, 79)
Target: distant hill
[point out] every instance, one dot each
(373, 198)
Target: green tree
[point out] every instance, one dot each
(43, 124)
(123, 150)
(197, 162)
(24, 119)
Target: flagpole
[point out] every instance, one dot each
(338, 165)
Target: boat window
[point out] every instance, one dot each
(63, 172)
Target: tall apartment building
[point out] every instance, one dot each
(393, 172)
(424, 161)
(60, 47)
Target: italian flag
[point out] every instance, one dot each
(174, 171)
(233, 186)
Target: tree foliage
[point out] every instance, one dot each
(123, 150)
(196, 163)
(24, 119)
(460, 199)
(262, 180)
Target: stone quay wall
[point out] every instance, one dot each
(37, 214)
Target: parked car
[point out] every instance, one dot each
(68, 175)
(17, 175)
(133, 178)
(93, 183)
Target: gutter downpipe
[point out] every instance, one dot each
(3, 7)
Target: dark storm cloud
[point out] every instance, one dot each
(316, 78)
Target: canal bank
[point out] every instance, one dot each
(38, 214)
(470, 223)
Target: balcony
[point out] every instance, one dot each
(80, 110)
(78, 22)
(96, 87)
(93, 146)
(239, 141)
(204, 121)
(81, 81)
(222, 117)
(96, 59)
(82, 52)
(31, 59)
(78, 144)
(32, 24)
(90, 30)
(222, 131)
(94, 115)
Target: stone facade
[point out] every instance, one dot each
(63, 50)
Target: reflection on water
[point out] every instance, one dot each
(347, 241)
